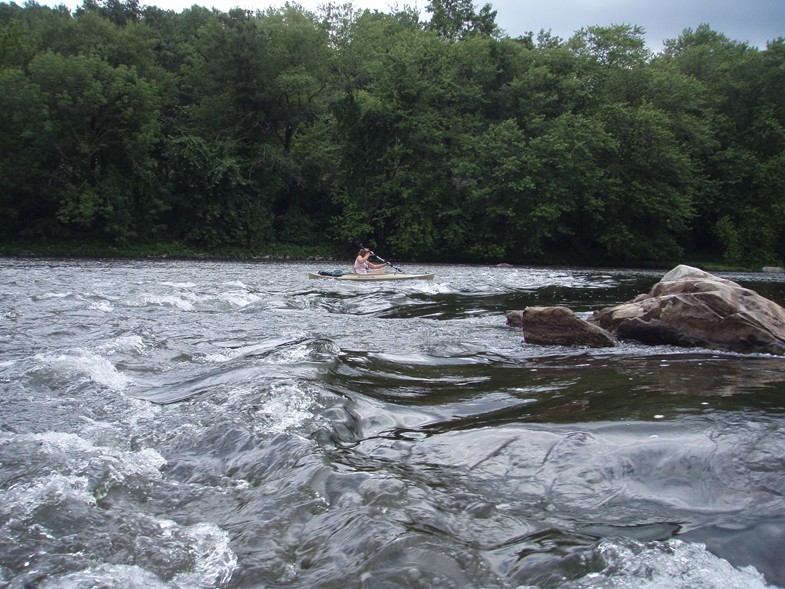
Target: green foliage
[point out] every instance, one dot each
(394, 172)
(212, 204)
(14, 49)
(23, 117)
(250, 131)
(649, 198)
(614, 47)
(502, 201)
(458, 19)
(101, 125)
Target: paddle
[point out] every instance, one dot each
(361, 246)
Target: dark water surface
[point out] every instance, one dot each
(211, 424)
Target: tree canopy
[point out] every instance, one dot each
(442, 139)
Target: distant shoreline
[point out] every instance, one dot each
(327, 253)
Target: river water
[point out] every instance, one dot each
(195, 424)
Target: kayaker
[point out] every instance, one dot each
(363, 266)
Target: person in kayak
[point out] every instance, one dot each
(363, 266)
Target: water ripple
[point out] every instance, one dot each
(211, 424)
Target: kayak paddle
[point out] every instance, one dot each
(361, 246)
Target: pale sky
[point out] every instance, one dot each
(752, 21)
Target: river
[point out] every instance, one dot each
(200, 424)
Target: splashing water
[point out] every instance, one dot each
(213, 424)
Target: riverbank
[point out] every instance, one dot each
(327, 252)
(174, 251)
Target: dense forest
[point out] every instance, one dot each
(440, 139)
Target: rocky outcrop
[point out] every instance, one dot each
(560, 326)
(690, 307)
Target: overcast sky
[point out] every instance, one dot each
(752, 21)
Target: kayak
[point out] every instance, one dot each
(370, 277)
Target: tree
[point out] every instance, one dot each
(101, 127)
(115, 11)
(458, 19)
(503, 206)
(399, 122)
(210, 203)
(649, 199)
(24, 171)
(745, 112)
(243, 128)
(259, 83)
(615, 46)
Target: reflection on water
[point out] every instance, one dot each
(206, 424)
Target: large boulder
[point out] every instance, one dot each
(559, 326)
(690, 307)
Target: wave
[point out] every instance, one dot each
(204, 549)
(238, 366)
(76, 493)
(76, 364)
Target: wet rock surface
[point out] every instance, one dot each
(690, 307)
(560, 326)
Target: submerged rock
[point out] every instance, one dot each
(690, 307)
(560, 326)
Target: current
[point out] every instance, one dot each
(212, 424)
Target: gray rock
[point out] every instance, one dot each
(690, 307)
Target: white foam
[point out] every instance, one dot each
(220, 357)
(194, 301)
(22, 499)
(128, 343)
(287, 408)
(51, 295)
(140, 410)
(106, 575)
(78, 455)
(103, 306)
(628, 564)
(285, 349)
(215, 560)
(146, 461)
(239, 299)
(184, 302)
(426, 287)
(87, 364)
(52, 441)
(237, 283)
(213, 564)
(78, 463)
(291, 355)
